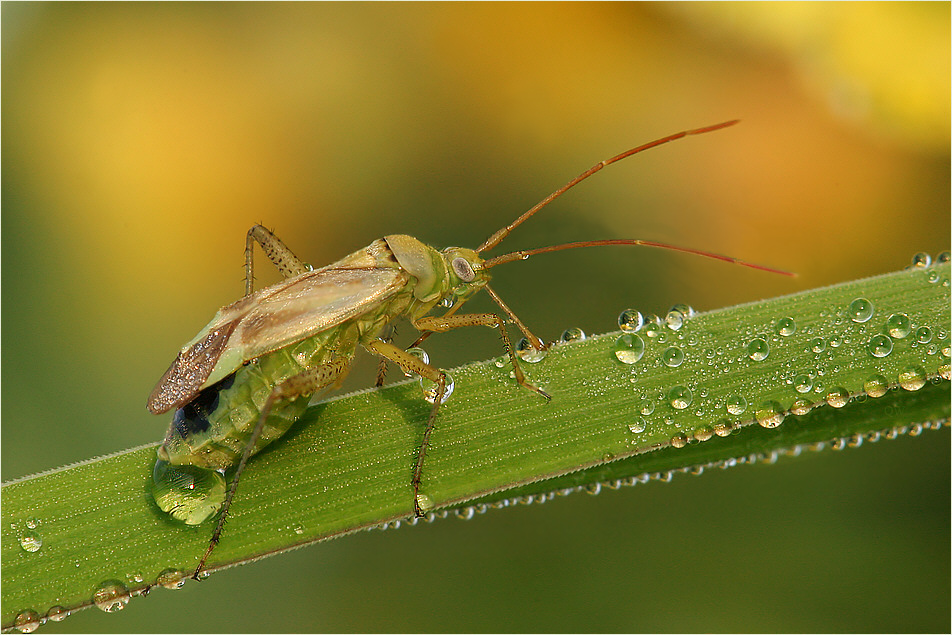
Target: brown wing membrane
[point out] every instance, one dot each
(184, 378)
(270, 319)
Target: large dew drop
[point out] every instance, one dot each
(629, 348)
(111, 596)
(188, 493)
(431, 389)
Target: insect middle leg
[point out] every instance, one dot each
(283, 258)
(306, 383)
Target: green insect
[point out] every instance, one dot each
(248, 375)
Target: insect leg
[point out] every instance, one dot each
(411, 364)
(447, 322)
(307, 383)
(283, 258)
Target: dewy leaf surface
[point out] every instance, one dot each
(855, 362)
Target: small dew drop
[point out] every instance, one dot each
(723, 428)
(921, 259)
(837, 397)
(32, 523)
(679, 440)
(684, 309)
(943, 257)
(526, 352)
(758, 349)
(818, 345)
(923, 335)
(786, 326)
(638, 426)
(912, 378)
(860, 310)
(736, 404)
(803, 383)
(652, 325)
(572, 335)
(945, 372)
(876, 386)
(171, 579)
(674, 320)
(680, 397)
(629, 348)
(770, 414)
(672, 357)
(27, 621)
(111, 596)
(898, 326)
(57, 613)
(431, 388)
(801, 406)
(631, 320)
(647, 407)
(502, 361)
(879, 346)
(703, 433)
(30, 541)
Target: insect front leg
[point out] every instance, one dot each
(411, 364)
(447, 322)
(306, 383)
(283, 258)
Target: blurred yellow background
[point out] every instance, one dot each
(141, 141)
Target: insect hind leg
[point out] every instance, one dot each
(307, 383)
(277, 252)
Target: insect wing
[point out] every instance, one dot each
(268, 320)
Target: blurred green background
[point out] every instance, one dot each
(141, 141)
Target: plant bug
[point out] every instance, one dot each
(248, 375)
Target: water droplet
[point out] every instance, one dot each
(770, 414)
(674, 320)
(647, 407)
(945, 372)
(448, 302)
(171, 579)
(31, 541)
(431, 389)
(672, 357)
(921, 259)
(837, 397)
(652, 326)
(898, 326)
(801, 406)
(27, 621)
(527, 353)
(638, 426)
(912, 378)
(876, 386)
(758, 349)
(572, 335)
(723, 428)
(860, 310)
(818, 345)
(943, 257)
(32, 523)
(679, 441)
(703, 433)
(629, 348)
(57, 613)
(684, 309)
(736, 404)
(502, 361)
(680, 397)
(188, 493)
(923, 335)
(786, 326)
(111, 596)
(424, 503)
(803, 383)
(631, 320)
(879, 346)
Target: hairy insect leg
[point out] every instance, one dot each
(303, 384)
(447, 322)
(283, 258)
(382, 363)
(411, 364)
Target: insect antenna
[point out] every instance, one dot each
(524, 254)
(498, 237)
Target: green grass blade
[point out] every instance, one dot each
(347, 464)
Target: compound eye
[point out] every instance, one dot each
(463, 270)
